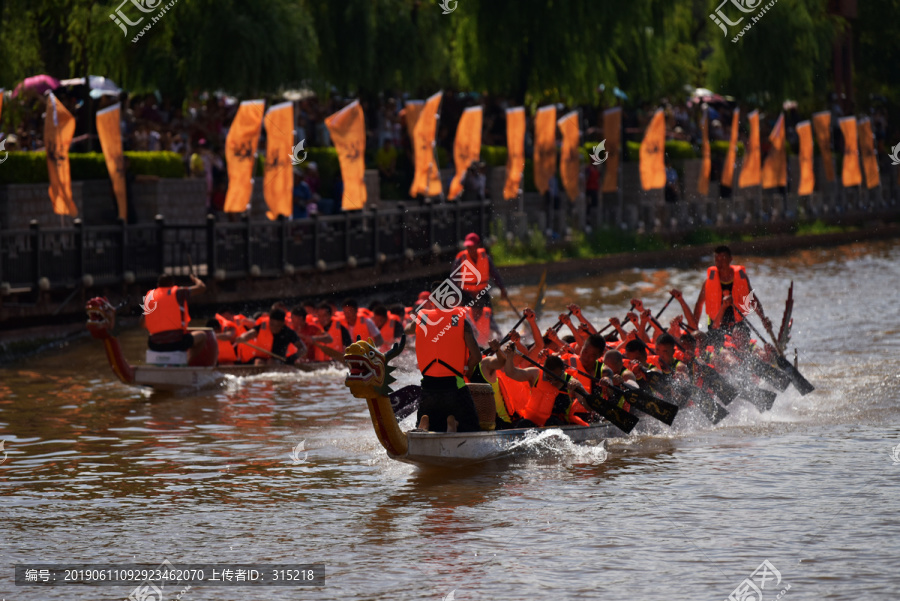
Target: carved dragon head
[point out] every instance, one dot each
(101, 317)
(370, 374)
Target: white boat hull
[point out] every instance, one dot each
(464, 448)
(179, 378)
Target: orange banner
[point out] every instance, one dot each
(653, 154)
(348, 133)
(412, 109)
(59, 127)
(867, 149)
(570, 156)
(427, 179)
(807, 173)
(544, 147)
(515, 148)
(109, 130)
(731, 157)
(278, 183)
(822, 125)
(612, 130)
(466, 147)
(706, 157)
(750, 168)
(851, 175)
(775, 165)
(240, 152)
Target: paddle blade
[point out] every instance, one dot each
(719, 385)
(713, 411)
(538, 306)
(784, 334)
(405, 401)
(800, 383)
(771, 374)
(653, 406)
(617, 416)
(761, 398)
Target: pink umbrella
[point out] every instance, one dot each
(38, 83)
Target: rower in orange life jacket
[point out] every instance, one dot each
(727, 286)
(166, 317)
(335, 337)
(306, 326)
(475, 276)
(359, 326)
(482, 320)
(389, 325)
(272, 335)
(549, 403)
(225, 335)
(446, 352)
(488, 372)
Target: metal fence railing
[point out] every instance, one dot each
(53, 259)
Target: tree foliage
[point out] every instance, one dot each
(534, 52)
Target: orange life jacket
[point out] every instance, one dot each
(740, 290)
(482, 326)
(387, 332)
(482, 265)
(440, 339)
(575, 365)
(540, 401)
(168, 314)
(227, 354)
(359, 329)
(365, 312)
(515, 393)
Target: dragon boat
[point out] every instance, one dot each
(370, 379)
(204, 373)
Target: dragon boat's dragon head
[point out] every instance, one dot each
(101, 317)
(370, 372)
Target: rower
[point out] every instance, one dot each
(475, 286)
(166, 317)
(276, 338)
(226, 332)
(487, 372)
(390, 326)
(588, 360)
(335, 334)
(636, 353)
(482, 320)
(549, 403)
(360, 326)
(727, 285)
(446, 351)
(306, 328)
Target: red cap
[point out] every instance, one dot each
(424, 295)
(472, 240)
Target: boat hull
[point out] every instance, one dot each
(179, 378)
(465, 448)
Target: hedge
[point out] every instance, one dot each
(31, 167)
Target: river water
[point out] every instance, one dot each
(99, 472)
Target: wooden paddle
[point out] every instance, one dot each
(800, 383)
(406, 400)
(335, 355)
(609, 325)
(661, 311)
(617, 416)
(269, 353)
(648, 403)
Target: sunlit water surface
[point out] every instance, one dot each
(99, 472)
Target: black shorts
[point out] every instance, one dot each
(185, 344)
(440, 404)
